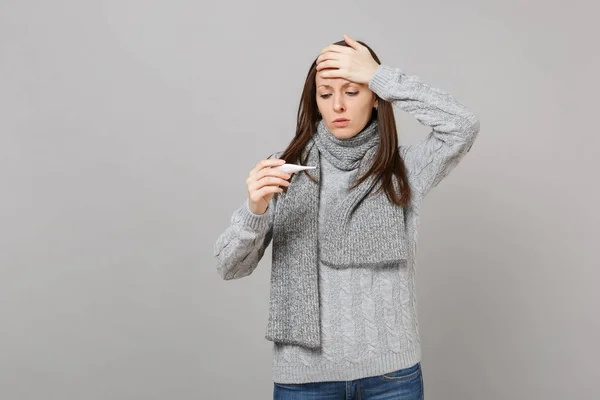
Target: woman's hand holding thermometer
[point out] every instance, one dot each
(264, 181)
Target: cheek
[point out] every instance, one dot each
(365, 105)
(322, 106)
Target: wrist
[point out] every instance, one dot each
(256, 210)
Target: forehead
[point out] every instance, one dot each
(332, 82)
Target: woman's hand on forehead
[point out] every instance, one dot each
(353, 63)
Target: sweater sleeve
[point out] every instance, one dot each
(241, 246)
(454, 127)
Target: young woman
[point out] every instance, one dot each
(343, 310)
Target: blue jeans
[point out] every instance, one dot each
(403, 384)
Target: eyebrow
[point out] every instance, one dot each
(344, 85)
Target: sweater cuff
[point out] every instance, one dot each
(252, 220)
(382, 79)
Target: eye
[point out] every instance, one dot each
(325, 96)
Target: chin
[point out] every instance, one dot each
(343, 133)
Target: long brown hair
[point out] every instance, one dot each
(388, 163)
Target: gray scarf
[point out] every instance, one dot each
(364, 230)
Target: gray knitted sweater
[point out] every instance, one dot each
(369, 323)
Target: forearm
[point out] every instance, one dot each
(454, 126)
(450, 119)
(240, 247)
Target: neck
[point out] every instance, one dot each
(346, 154)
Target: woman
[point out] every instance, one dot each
(343, 311)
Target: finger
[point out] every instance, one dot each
(272, 172)
(267, 171)
(333, 73)
(353, 43)
(273, 180)
(329, 64)
(328, 55)
(267, 181)
(336, 48)
(266, 163)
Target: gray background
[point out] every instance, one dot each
(128, 129)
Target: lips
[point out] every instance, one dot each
(341, 123)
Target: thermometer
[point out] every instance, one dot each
(291, 168)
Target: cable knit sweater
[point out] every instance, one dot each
(369, 322)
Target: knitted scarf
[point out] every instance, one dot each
(363, 230)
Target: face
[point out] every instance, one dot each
(341, 98)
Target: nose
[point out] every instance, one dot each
(338, 105)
